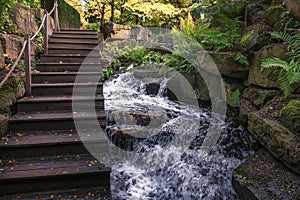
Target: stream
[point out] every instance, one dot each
(171, 135)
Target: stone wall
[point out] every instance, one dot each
(12, 90)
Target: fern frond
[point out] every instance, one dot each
(284, 84)
(273, 62)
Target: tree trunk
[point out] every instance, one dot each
(112, 4)
(102, 14)
(121, 14)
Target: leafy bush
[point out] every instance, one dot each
(235, 98)
(241, 59)
(289, 73)
(6, 24)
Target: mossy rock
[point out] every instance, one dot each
(258, 97)
(289, 116)
(10, 93)
(265, 78)
(281, 142)
(273, 16)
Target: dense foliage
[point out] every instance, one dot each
(289, 71)
(144, 12)
(6, 25)
(69, 17)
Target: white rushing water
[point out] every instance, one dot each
(174, 134)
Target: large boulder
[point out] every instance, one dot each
(228, 66)
(265, 78)
(12, 45)
(23, 18)
(281, 142)
(258, 96)
(140, 33)
(289, 116)
(2, 59)
(257, 13)
(273, 16)
(293, 7)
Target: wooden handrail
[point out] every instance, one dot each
(27, 47)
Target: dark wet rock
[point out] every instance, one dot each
(289, 116)
(257, 13)
(282, 143)
(265, 78)
(273, 16)
(293, 7)
(245, 109)
(258, 96)
(133, 119)
(138, 139)
(259, 38)
(152, 88)
(232, 86)
(228, 66)
(264, 177)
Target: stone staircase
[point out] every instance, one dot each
(43, 152)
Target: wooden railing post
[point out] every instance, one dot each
(56, 16)
(46, 33)
(27, 60)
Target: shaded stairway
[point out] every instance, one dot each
(43, 151)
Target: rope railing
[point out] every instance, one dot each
(40, 28)
(26, 48)
(14, 66)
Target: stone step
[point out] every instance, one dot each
(71, 67)
(47, 143)
(61, 103)
(60, 89)
(76, 31)
(90, 193)
(81, 50)
(71, 45)
(73, 40)
(51, 173)
(40, 121)
(74, 35)
(65, 77)
(71, 58)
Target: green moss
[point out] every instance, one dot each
(12, 90)
(289, 115)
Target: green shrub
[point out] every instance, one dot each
(241, 59)
(289, 71)
(68, 16)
